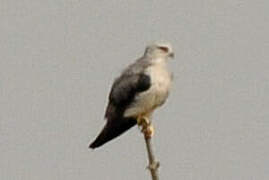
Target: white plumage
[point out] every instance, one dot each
(156, 95)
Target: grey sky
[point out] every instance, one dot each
(58, 59)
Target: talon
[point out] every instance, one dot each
(148, 131)
(146, 121)
(146, 126)
(142, 121)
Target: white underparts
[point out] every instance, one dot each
(156, 95)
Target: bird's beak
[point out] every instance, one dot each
(172, 55)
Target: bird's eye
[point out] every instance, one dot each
(165, 49)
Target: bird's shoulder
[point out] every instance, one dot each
(138, 67)
(132, 81)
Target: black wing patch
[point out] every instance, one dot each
(125, 88)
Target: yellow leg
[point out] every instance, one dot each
(149, 131)
(146, 126)
(139, 120)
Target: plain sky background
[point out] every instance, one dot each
(58, 59)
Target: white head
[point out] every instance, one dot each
(159, 50)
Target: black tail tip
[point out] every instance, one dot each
(94, 145)
(91, 146)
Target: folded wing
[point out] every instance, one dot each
(122, 95)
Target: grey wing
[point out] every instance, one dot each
(122, 94)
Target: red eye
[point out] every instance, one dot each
(165, 49)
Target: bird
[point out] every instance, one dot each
(141, 88)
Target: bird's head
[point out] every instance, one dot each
(159, 50)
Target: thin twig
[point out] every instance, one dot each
(153, 164)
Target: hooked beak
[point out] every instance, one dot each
(172, 55)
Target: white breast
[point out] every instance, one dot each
(160, 83)
(156, 95)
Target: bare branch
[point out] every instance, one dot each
(147, 130)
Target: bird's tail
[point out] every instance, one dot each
(113, 130)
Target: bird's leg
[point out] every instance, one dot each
(139, 120)
(146, 126)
